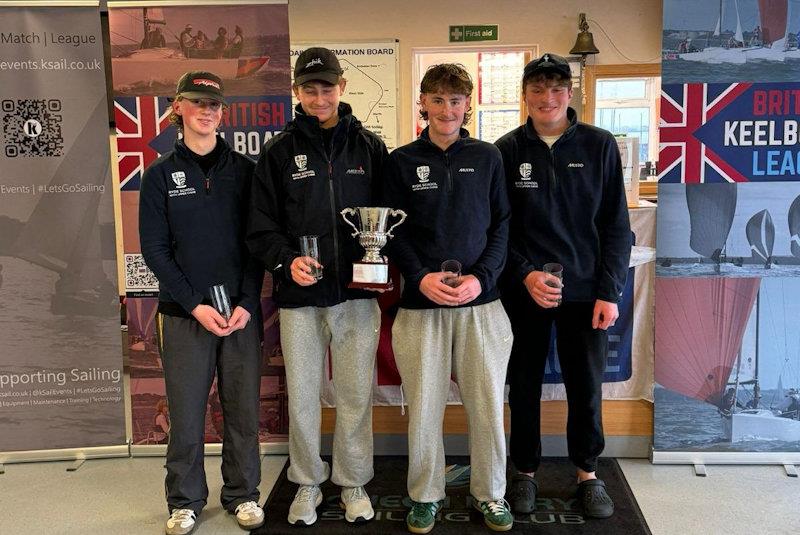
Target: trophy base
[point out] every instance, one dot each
(371, 276)
(388, 286)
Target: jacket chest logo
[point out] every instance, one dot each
(181, 190)
(179, 177)
(525, 182)
(423, 172)
(301, 161)
(356, 171)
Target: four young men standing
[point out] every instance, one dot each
(567, 205)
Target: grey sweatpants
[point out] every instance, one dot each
(473, 344)
(351, 329)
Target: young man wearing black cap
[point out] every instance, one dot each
(192, 210)
(568, 206)
(322, 162)
(453, 190)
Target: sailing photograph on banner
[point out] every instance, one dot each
(730, 230)
(246, 45)
(727, 366)
(730, 41)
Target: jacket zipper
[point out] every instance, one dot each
(333, 216)
(449, 174)
(208, 185)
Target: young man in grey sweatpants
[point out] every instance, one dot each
(323, 161)
(453, 189)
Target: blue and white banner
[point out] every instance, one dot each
(734, 132)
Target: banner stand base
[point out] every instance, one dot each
(75, 465)
(700, 470)
(67, 454)
(701, 458)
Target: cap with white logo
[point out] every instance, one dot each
(548, 63)
(317, 63)
(201, 84)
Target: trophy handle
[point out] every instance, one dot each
(402, 215)
(344, 216)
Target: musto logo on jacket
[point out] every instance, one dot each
(525, 181)
(423, 174)
(301, 161)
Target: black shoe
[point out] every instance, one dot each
(594, 500)
(522, 494)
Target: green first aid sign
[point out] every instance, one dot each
(484, 32)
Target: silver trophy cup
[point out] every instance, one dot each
(372, 271)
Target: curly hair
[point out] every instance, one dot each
(447, 78)
(176, 119)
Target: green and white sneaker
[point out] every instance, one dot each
(496, 514)
(422, 516)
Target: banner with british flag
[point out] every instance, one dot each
(735, 132)
(151, 47)
(144, 131)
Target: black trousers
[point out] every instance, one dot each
(192, 356)
(582, 357)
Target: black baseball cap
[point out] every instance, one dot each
(317, 63)
(548, 63)
(201, 84)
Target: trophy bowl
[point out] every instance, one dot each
(371, 222)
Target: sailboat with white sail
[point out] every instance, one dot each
(794, 227)
(760, 231)
(770, 43)
(746, 415)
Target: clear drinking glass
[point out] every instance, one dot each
(453, 267)
(221, 300)
(556, 270)
(309, 246)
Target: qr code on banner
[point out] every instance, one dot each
(138, 277)
(32, 127)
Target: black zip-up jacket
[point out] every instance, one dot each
(457, 209)
(192, 230)
(568, 206)
(298, 189)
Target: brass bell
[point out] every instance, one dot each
(584, 44)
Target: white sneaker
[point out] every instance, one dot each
(304, 506)
(356, 503)
(249, 515)
(180, 522)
